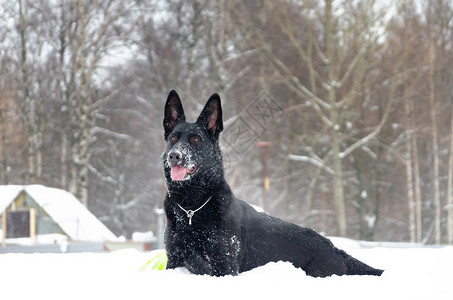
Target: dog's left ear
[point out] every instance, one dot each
(211, 116)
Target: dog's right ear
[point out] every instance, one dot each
(173, 112)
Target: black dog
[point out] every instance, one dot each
(209, 230)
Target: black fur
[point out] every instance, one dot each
(227, 236)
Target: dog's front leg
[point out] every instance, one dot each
(174, 253)
(214, 265)
(199, 265)
(226, 267)
(174, 262)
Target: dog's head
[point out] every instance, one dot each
(192, 156)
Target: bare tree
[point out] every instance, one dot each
(449, 197)
(94, 31)
(28, 103)
(437, 35)
(343, 155)
(335, 75)
(433, 116)
(409, 173)
(408, 44)
(5, 100)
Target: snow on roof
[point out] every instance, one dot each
(72, 217)
(7, 194)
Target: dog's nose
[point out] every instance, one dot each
(174, 157)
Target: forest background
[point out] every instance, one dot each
(338, 114)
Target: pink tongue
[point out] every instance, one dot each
(178, 173)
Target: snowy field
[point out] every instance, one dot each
(410, 273)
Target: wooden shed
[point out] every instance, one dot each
(34, 210)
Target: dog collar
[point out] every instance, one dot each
(190, 212)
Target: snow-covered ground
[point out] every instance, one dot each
(410, 273)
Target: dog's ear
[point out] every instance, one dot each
(173, 112)
(211, 116)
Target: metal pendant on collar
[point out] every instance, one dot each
(190, 213)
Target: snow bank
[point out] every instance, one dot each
(415, 273)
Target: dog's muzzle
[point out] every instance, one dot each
(175, 157)
(180, 168)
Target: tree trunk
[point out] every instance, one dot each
(39, 140)
(3, 141)
(28, 103)
(338, 191)
(408, 164)
(85, 136)
(417, 187)
(449, 185)
(338, 185)
(63, 98)
(437, 205)
(73, 108)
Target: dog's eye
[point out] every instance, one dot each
(195, 140)
(173, 138)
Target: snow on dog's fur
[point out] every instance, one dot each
(209, 230)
